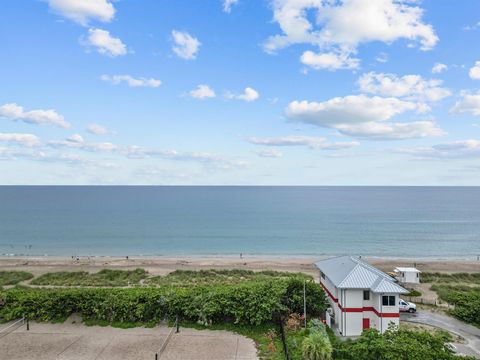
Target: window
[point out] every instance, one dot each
(366, 295)
(388, 300)
(417, 275)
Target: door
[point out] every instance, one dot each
(366, 324)
(402, 306)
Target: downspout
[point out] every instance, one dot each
(381, 313)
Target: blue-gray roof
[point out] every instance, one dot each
(350, 272)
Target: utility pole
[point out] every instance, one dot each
(305, 303)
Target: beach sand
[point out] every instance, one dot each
(164, 265)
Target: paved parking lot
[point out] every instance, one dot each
(74, 341)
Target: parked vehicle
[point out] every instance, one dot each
(405, 306)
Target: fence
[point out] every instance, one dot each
(424, 301)
(12, 327)
(175, 328)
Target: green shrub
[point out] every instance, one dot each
(13, 277)
(104, 277)
(395, 344)
(214, 276)
(414, 293)
(317, 347)
(246, 303)
(473, 278)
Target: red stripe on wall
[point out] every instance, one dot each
(328, 292)
(362, 309)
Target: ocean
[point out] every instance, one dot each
(421, 222)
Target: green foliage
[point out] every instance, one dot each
(395, 344)
(214, 276)
(13, 277)
(104, 277)
(317, 347)
(466, 301)
(246, 303)
(414, 293)
(472, 278)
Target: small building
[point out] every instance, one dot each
(408, 275)
(360, 295)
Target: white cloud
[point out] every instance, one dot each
(227, 5)
(269, 153)
(412, 87)
(20, 139)
(461, 149)
(76, 141)
(249, 94)
(474, 72)
(341, 26)
(13, 111)
(84, 10)
(97, 129)
(207, 159)
(329, 61)
(313, 142)
(131, 81)
(348, 109)
(382, 58)
(469, 103)
(364, 117)
(202, 92)
(439, 68)
(81, 11)
(391, 131)
(186, 46)
(105, 43)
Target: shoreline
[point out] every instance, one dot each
(162, 265)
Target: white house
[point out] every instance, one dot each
(360, 295)
(407, 275)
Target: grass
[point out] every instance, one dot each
(14, 277)
(455, 278)
(104, 277)
(118, 324)
(212, 276)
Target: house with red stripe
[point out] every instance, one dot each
(361, 296)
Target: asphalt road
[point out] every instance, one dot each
(470, 333)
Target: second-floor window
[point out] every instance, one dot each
(388, 300)
(366, 295)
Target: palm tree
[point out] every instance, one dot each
(317, 346)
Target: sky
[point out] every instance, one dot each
(240, 92)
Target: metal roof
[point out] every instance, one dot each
(407, 269)
(350, 272)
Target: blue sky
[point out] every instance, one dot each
(214, 92)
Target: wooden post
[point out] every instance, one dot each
(178, 325)
(28, 325)
(156, 356)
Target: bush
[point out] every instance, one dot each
(395, 344)
(317, 347)
(13, 277)
(414, 293)
(104, 277)
(250, 303)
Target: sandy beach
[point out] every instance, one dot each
(164, 265)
